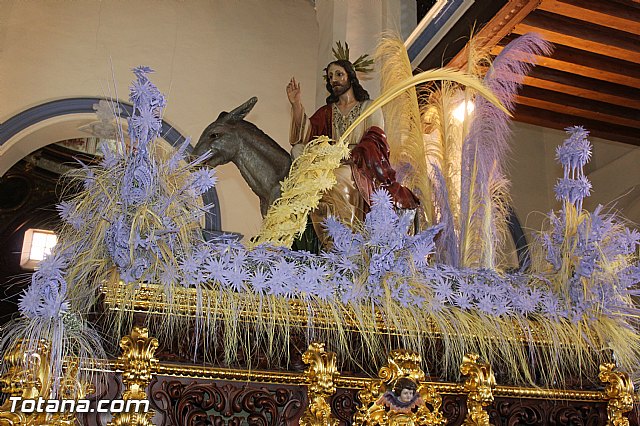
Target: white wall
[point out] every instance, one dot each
(613, 172)
(209, 56)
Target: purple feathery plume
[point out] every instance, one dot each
(488, 138)
(447, 241)
(484, 149)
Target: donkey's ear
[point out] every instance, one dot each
(242, 111)
(223, 116)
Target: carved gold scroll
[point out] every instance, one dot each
(479, 388)
(320, 377)
(619, 392)
(27, 378)
(26, 375)
(138, 365)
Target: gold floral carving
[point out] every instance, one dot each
(26, 377)
(479, 387)
(424, 409)
(320, 377)
(71, 388)
(619, 392)
(138, 365)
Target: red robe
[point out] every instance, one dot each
(370, 167)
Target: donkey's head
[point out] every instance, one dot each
(223, 137)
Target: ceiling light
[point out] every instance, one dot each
(36, 245)
(458, 112)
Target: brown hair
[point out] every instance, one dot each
(404, 383)
(359, 92)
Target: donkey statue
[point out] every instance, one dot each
(263, 163)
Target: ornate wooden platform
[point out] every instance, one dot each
(184, 394)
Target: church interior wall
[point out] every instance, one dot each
(209, 56)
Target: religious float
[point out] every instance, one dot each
(398, 322)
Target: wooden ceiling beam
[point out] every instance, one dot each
(589, 64)
(584, 87)
(582, 35)
(560, 121)
(580, 107)
(498, 27)
(605, 13)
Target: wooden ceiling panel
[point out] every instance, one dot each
(579, 107)
(588, 64)
(592, 78)
(585, 87)
(621, 16)
(582, 35)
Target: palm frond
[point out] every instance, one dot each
(403, 124)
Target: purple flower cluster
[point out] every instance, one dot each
(573, 190)
(573, 154)
(553, 239)
(109, 158)
(483, 290)
(141, 198)
(593, 258)
(384, 248)
(575, 151)
(46, 296)
(68, 213)
(201, 181)
(145, 122)
(139, 181)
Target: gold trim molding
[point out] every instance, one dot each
(151, 299)
(355, 382)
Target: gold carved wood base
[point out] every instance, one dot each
(330, 397)
(619, 391)
(138, 365)
(320, 375)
